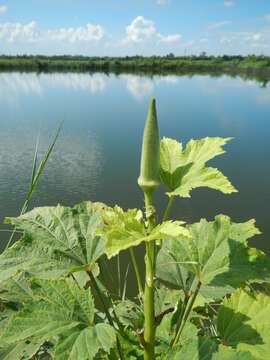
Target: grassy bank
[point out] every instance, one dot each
(154, 64)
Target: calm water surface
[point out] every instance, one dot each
(97, 155)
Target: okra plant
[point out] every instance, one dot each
(205, 294)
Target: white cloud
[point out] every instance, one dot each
(163, 2)
(88, 33)
(169, 38)
(17, 32)
(204, 40)
(218, 25)
(256, 37)
(3, 9)
(138, 87)
(228, 4)
(11, 32)
(141, 87)
(140, 29)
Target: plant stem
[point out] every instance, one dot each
(167, 211)
(187, 312)
(166, 215)
(149, 292)
(179, 322)
(137, 272)
(95, 285)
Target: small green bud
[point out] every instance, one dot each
(149, 176)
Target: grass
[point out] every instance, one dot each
(36, 173)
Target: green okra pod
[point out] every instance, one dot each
(150, 159)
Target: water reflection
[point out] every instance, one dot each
(143, 87)
(12, 84)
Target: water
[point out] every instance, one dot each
(98, 152)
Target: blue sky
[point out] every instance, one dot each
(126, 27)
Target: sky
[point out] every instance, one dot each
(139, 27)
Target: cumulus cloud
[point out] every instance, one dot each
(3, 9)
(228, 4)
(17, 32)
(141, 29)
(88, 33)
(257, 37)
(12, 32)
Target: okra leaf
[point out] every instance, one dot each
(243, 322)
(197, 348)
(86, 344)
(184, 170)
(61, 310)
(16, 289)
(20, 350)
(130, 314)
(125, 229)
(204, 348)
(58, 306)
(216, 255)
(166, 331)
(57, 241)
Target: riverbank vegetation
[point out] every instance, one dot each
(202, 293)
(154, 64)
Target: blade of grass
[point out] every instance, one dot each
(125, 284)
(119, 276)
(34, 167)
(36, 175)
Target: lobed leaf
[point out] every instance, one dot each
(216, 254)
(57, 241)
(128, 229)
(244, 322)
(60, 309)
(184, 170)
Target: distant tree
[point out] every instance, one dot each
(170, 56)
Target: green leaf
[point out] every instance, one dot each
(57, 241)
(166, 300)
(226, 353)
(244, 323)
(184, 170)
(198, 348)
(216, 254)
(128, 229)
(60, 309)
(16, 289)
(130, 314)
(20, 350)
(87, 343)
(58, 306)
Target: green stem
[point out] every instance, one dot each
(149, 292)
(167, 211)
(179, 322)
(137, 272)
(186, 314)
(95, 285)
(166, 216)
